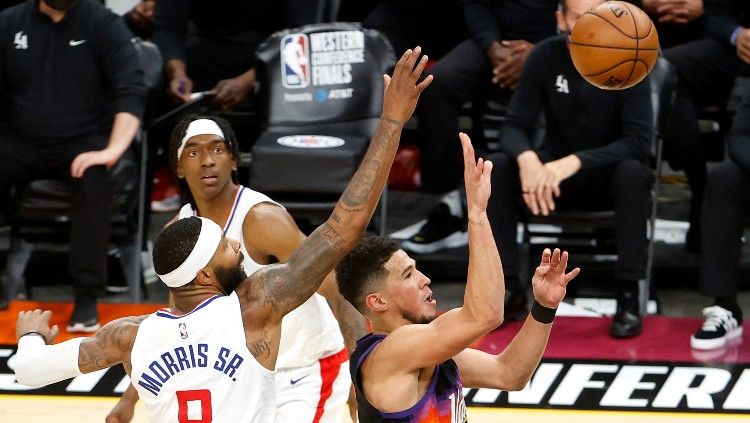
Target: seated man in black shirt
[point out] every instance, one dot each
(724, 214)
(71, 95)
(220, 53)
(592, 157)
(489, 64)
(704, 40)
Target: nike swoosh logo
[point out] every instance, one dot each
(74, 43)
(295, 381)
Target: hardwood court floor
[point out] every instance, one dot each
(659, 358)
(44, 409)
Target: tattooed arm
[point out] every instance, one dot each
(270, 233)
(39, 364)
(110, 345)
(276, 290)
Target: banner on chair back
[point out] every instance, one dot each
(321, 94)
(317, 73)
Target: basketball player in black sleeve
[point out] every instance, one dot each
(592, 157)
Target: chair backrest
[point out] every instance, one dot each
(328, 11)
(663, 80)
(322, 73)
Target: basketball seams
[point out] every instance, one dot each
(610, 47)
(609, 68)
(609, 22)
(637, 42)
(620, 30)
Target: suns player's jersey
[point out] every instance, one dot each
(196, 367)
(442, 403)
(309, 332)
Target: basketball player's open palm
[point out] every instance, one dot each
(401, 92)
(476, 177)
(550, 280)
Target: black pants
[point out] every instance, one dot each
(460, 76)
(624, 187)
(723, 217)
(25, 159)
(706, 71)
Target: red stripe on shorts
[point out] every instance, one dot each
(329, 371)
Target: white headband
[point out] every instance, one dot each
(199, 127)
(208, 242)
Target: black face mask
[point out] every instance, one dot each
(60, 5)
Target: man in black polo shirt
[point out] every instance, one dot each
(71, 95)
(503, 32)
(592, 157)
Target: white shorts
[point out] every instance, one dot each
(314, 394)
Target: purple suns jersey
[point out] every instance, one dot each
(442, 403)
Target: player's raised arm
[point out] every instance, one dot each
(38, 362)
(403, 349)
(287, 286)
(512, 369)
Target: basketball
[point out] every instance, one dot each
(614, 45)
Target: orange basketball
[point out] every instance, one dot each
(614, 45)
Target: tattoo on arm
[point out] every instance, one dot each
(110, 345)
(260, 347)
(295, 282)
(364, 181)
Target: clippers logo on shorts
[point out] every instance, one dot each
(310, 141)
(295, 61)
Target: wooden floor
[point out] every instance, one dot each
(45, 409)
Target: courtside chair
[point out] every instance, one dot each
(320, 98)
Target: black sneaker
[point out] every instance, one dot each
(441, 230)
(627, 321)
(85, 318)
(719, 327)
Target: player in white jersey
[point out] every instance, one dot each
(312, 377)
(182, 371)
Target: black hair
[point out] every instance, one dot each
(178, 133)
(174, 244)
(362, 266)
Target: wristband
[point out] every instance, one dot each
(33, 332)
(542, 314)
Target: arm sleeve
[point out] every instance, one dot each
(525, 105)
(739, 138)
(119, 61)
(37, 364)
(170, 27)
(635, 117)
(481, 22)
(720, 19)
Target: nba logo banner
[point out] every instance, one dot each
(295, 61)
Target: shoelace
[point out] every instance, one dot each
(715, 317)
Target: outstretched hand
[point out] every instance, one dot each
(401, 90)
(550, 280)
(476, 177)
(36, 321)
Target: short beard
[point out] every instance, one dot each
(419, 320)
(230, 278)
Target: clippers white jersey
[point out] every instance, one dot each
(309, 332)
(197, 368)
